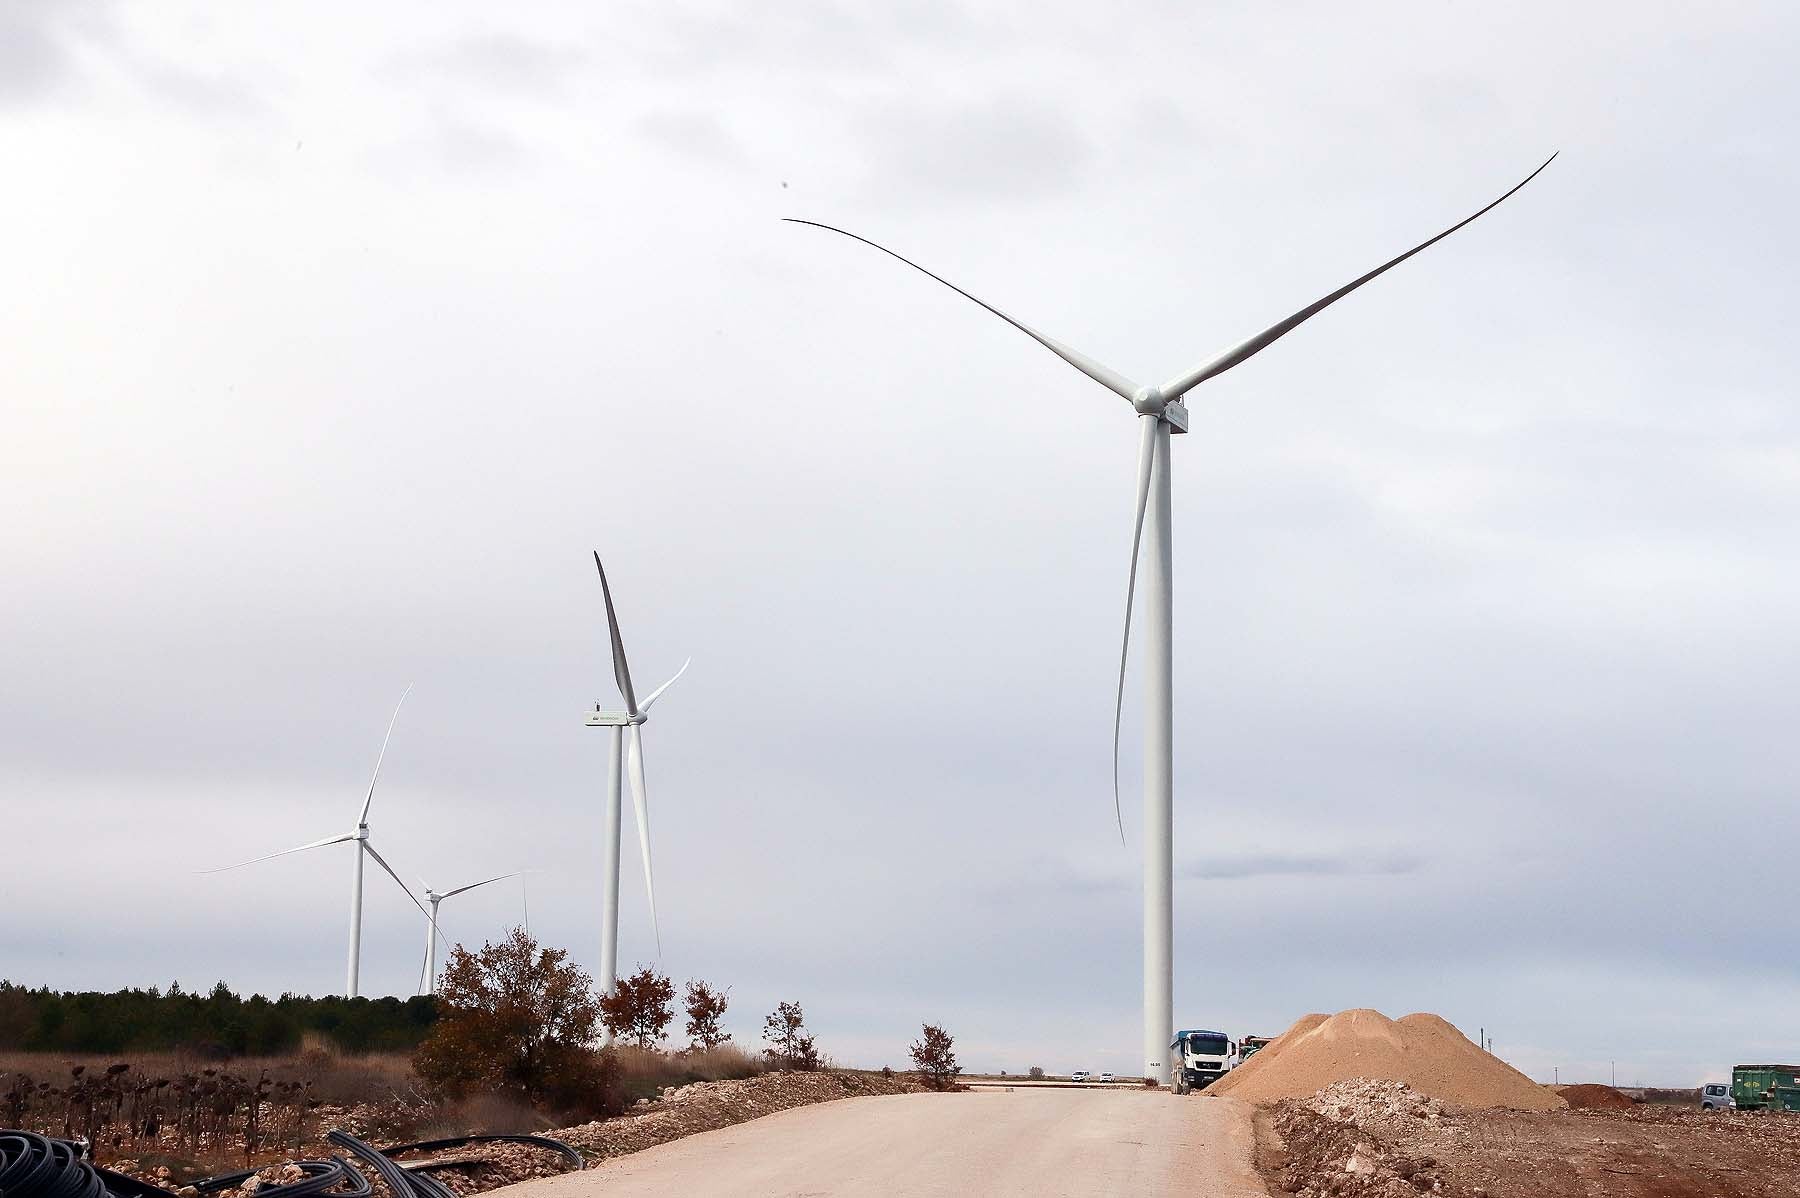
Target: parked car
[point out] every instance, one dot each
(1080, 1075)
(1106, 1077)
(1716, 1097)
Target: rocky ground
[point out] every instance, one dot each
(706, 1106)
(1380, 1138)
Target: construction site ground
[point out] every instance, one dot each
(1381, 1139)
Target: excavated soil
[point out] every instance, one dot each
(1595, 1098)
(1421, 1050)
(1384, 1140)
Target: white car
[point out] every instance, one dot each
(1716, 1097)
(1080, 1075)
(1106, 1077)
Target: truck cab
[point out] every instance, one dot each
(1201, 1058)
(1249, 1046)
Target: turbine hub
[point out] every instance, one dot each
(639, 718)
(1149, 401)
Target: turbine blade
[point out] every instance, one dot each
(640, 802)
(1111, 379)
(379, 860)
(665, 686)
(1245, 350)
(621, 671)
(1146, 450)
(370, 798)
(483, 882)
(317, 844)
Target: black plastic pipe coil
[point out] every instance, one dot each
(575, 1159)
(38, 1166)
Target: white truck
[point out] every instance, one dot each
(1201, 1058)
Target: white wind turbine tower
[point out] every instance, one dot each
(1161, 412)
(363, 846)
(632, 717)
(429, 975)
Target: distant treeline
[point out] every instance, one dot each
(217, 1023)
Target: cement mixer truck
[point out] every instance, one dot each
(1201, 1058)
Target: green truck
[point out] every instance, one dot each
(1766, 1087)
(1249, 1046)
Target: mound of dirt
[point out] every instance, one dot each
(1422, 1050)
(1595, 1098)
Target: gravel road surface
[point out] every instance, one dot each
(1028, 1142)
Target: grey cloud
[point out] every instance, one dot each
(41, 42)
(500, 60)
(37, 48)
(455, 144)
(1009, 147)
(692, 131)
(203, 93)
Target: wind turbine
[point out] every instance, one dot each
(632, 717)
(434, 897)
(1161, 412)
(363, 846)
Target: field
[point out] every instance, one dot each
(194, 1115)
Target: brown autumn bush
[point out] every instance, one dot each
(705, 1012)
(520, 1018)
(639, 1007)
(934, 1058)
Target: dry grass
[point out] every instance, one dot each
(336, 1078)
(483, 1115)
(385, 1085)
(645, 1072)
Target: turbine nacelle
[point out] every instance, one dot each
(1149, 401)
(613, 719)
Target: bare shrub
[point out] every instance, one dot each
(790, 1045)
(1036, 1074)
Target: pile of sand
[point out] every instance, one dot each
(1595, 1098)
(1423, 1051)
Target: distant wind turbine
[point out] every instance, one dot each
(632, 717)
(363, 846)
(1161, 412)
(428, 974)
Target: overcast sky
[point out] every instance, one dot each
(335, 338)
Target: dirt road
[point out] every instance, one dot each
(1028, 1142)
